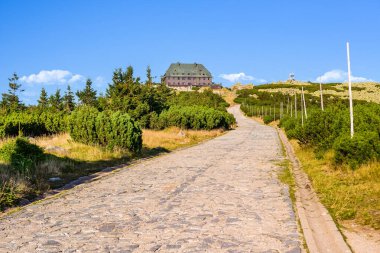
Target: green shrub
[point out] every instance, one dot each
(357, 150)
(32, 123)
(268, 119)
(81, 125)
(21, 155)
(193, 117)
(109, 129)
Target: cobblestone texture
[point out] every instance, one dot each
(220, 196)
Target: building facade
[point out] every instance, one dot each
(186, 76)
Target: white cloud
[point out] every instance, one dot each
(52, 77)
(99, 81)
(338, 75)
(240, 77)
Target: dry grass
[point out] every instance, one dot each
(69, 160)
(77, 151)
(349, 195)
(367, 91)
(228, 96)
(172, 138)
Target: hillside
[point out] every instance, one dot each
(365, 91)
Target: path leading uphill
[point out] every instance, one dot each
(219, 196)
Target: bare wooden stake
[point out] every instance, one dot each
(320, 88)
(304, 103)
(350, 91)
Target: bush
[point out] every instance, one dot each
(32, 123)
(357, 150)
(21, 155)
(109, 129)
(329, 129)
(268, 119)
(81, 125)
(193, 117)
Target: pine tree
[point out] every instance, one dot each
(11, 100)
(56, 100)
(43, 101)
(148, 76)
(68, 100)
(129, 75)
(88, 95)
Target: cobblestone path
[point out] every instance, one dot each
(220, 196)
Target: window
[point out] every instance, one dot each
(179, 78)
(183, 78)
(189, 78)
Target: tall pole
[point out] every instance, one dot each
(302, 109)
(350, 91)
(304, 103)
(320, 88)
(291, 110)
(295, 105)
(287, 106)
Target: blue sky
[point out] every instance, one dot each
(54, 43)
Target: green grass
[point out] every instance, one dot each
(347, 194)
(286, 177)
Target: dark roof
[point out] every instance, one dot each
(185, 69)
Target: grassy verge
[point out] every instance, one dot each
(70, 160)
(286, 177)
(347, 194)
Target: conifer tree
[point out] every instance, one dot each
(11, 100)
(56, 101)
(43, 100)
(68, 100)
(148, 76)
(129, 74)
(88, 95)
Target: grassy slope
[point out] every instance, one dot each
(348, 194)
(368, 91)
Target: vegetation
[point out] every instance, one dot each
(82, 137)
(348, 194)
(111, 129)
(344, 170)
(193, 117)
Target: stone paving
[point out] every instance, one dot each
(220, 196)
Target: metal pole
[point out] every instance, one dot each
(350, 91)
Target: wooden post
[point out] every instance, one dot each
(287, 106)
(291, 110)
(320, 88)
(350, 91)
(304, 103)
(295, 105)
(302, 109)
